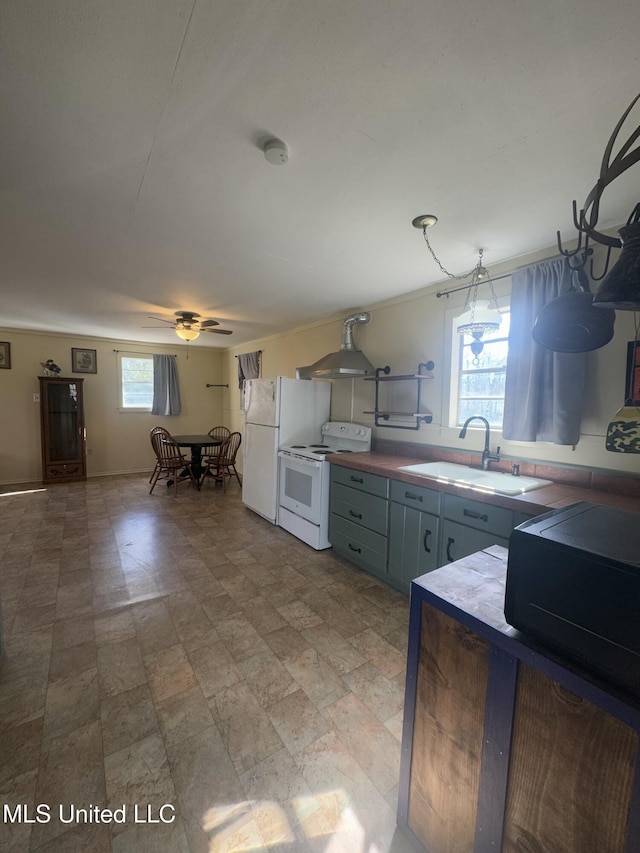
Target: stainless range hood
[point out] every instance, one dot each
(348, 362)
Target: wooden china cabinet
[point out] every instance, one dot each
(63, 430)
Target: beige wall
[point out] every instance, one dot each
(417, 328)
(403, 332)
(117, 441)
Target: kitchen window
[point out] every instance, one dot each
(478, 384)
(135, 382)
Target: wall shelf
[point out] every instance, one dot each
(382, 416)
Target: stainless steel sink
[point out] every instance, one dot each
(496, 482)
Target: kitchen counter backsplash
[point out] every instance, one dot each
(603, 481)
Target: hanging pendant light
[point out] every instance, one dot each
(479, 319)
(478, 316)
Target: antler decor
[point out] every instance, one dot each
(586, 220)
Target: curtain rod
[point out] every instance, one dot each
(497, 278)
(134, 352)
(469, 286)
(259, 351)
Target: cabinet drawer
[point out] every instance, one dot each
(374, 484)
(358, 544)
(63, 471)
(426, 500)
(361, 508)
(482, 516)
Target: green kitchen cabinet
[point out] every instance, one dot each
(469, 526)
(359, 518)
(459, 541)
(414, 528)
(398, 531)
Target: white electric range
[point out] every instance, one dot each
(304, 480)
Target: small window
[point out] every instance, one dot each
(478, 383)
(136, 383)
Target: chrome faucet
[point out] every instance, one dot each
(487, 456)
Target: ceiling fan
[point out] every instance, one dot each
(188, 326)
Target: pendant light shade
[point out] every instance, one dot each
(621, 287)
(481, 318)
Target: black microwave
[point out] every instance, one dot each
(573, 583)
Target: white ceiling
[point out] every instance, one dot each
(133, 181)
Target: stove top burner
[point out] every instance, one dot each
(339, 438)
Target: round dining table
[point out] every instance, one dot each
(196, 443)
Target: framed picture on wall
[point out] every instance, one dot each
(632, 386)
(83, 360)
(5, 355)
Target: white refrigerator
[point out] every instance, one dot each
(278, 411)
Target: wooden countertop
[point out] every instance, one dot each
(535, 502)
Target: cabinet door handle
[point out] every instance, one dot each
(450, 542)
(410, 496)
(357, 550)
(427, 534)
(355, 514)
(477, 515)
(356, 479)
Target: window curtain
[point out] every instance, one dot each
(166, 388)
(544, 389)
(248, 366)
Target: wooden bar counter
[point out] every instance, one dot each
(507, 747)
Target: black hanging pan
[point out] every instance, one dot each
(571, 323)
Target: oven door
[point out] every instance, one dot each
(301, 486)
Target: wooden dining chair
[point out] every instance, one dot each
(220, 433)
(223, 466)
(170, 460)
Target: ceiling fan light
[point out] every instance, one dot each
(187, 334)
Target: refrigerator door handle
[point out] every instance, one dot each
(246, 394)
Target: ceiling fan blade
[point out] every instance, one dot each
(204, 324)
(159, 320)
(218, 331)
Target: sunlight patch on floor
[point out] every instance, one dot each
(246, 826)
(256, 825)
(21, 492)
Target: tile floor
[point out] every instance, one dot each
(183, 657)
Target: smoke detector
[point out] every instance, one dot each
(276, 153)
